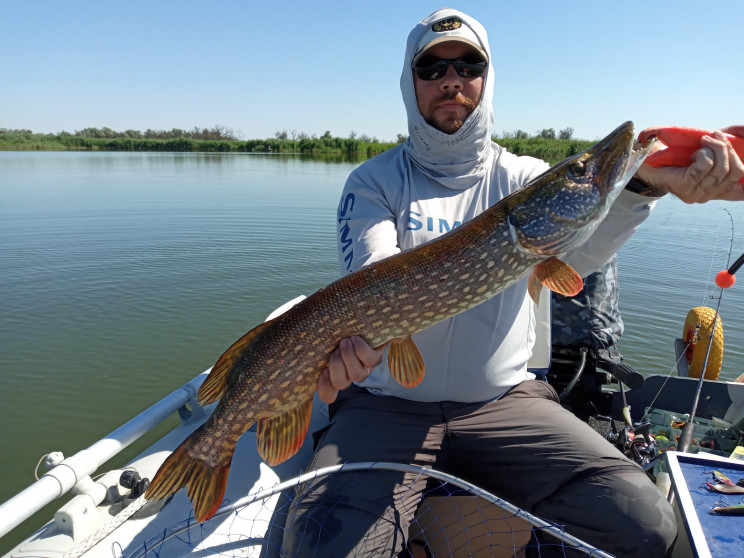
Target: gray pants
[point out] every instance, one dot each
(524, 448)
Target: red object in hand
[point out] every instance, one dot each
(681, 144)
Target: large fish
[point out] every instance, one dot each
(270, 374)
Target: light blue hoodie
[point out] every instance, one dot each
(421, 189)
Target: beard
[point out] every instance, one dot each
(449, 123)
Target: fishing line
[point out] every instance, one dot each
(663, 385)
(707, 291)
(727, 280)
(724, 279)
(731, 244)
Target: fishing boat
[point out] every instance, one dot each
(106, 513)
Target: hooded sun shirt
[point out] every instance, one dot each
(432, 183)
(462, 159)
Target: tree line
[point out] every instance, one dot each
(544, 144)
(216, 139)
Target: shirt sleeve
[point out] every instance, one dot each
(366, 224)
(622, 221)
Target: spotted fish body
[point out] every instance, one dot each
(270, 374)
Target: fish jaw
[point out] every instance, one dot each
(558, 211)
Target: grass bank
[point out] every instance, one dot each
(551, 150)
(28, 141)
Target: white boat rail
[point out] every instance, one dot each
(76, 469)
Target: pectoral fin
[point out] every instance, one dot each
(557, 276)
(280, 437)
(405, 362)
(216, 384)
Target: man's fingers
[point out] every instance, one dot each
(326, 391)
(356, 370)
(721, 183)
(713, 174)
(368, 356)
(352, 361)
(702, 164)
(736, 162)
(337, 370)
(737, 130)
(720, 147)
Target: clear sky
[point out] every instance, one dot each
(259, 67)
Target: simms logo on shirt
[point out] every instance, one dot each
(416, 222)
(442, 225)
(344, 241)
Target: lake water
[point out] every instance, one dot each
(124, 275)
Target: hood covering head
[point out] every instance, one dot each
(461, 159)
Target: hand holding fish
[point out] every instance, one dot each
(695, 165)
(350, 362)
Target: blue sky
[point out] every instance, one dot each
(310, 66)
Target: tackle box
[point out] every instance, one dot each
(711, 436)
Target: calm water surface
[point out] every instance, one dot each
(124, 275)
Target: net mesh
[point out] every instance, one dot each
(450, 518)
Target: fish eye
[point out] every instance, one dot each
(578, 169)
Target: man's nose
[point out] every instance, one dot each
(451, 79)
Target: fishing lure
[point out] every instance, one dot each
(720, 477)
(724, 488)
(723, 484)
(723, 508)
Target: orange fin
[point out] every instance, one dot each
(280, 437)
(405, 362)
(557, 276)
(206, 483)
(534, 286)
(218, 381)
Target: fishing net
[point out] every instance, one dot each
(452, 518)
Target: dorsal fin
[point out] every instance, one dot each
(405, 362)
(557, 276)
(216, 384)
(280, 437)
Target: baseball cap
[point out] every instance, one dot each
(450, 28)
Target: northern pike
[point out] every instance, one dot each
(270, 374)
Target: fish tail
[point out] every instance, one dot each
(206, 483)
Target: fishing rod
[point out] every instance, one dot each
(724, 279)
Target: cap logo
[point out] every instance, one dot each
(449, 24)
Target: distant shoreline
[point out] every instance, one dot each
(549, 149)
(16, 141)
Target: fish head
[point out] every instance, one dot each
(558, 211)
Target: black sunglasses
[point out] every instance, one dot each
(429, 69)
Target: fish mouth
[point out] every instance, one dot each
(618, 157)
(606, 161)
(613, 155)
(609, 164)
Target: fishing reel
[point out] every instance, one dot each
(636, 442)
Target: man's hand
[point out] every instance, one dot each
(352, 361)
(713, 175)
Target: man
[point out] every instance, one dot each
(478, 413)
